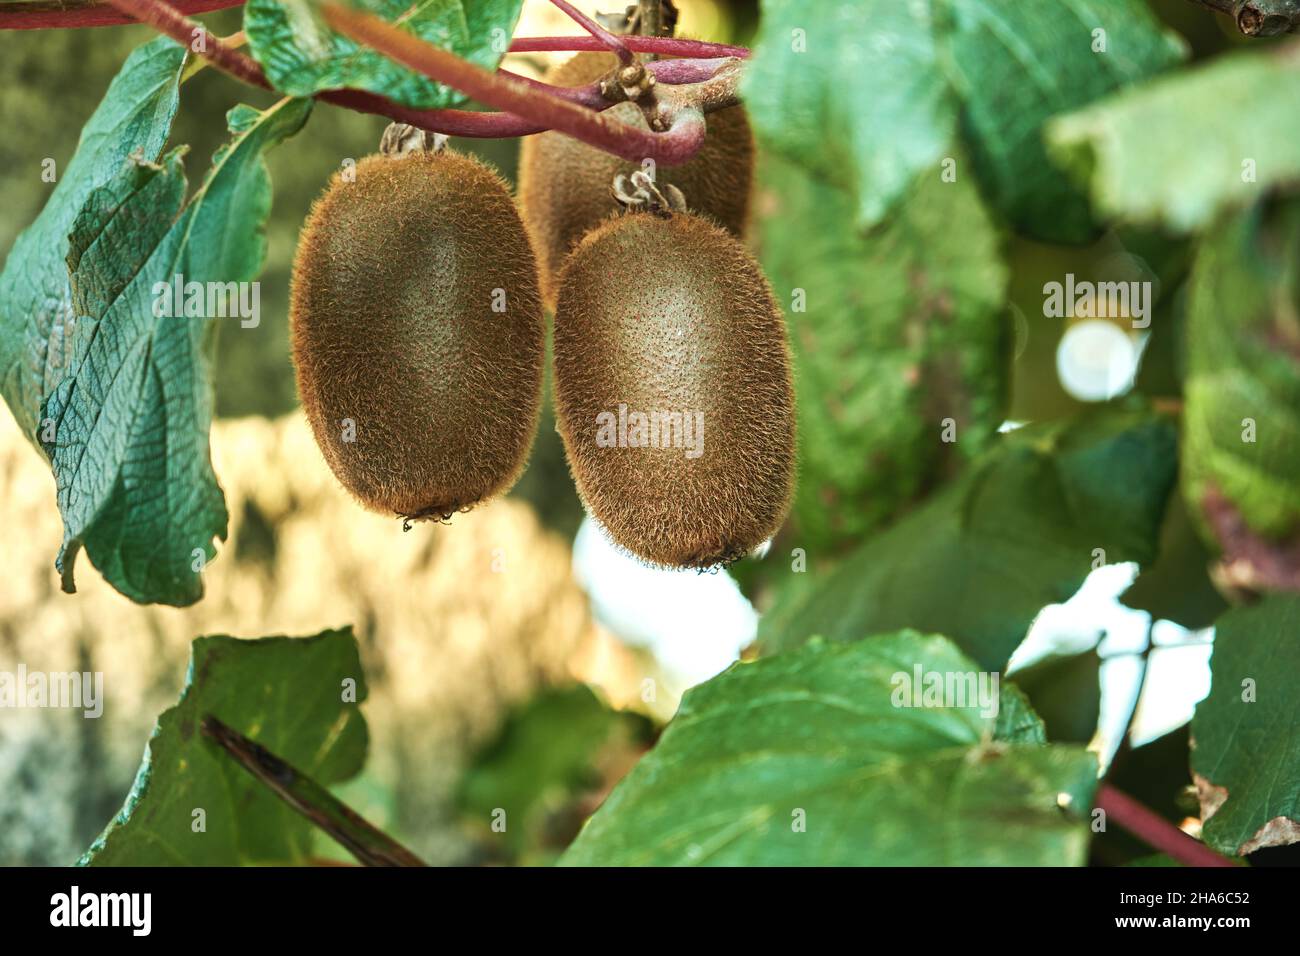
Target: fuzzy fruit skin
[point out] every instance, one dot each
(675, 315)
(564, 185)
(393, 327)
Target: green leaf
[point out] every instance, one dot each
(805, 759)
(36, 317)
(1015, 66)
(1017, 723)
(1175, 152)
(1241, 453)
(893, 333)
(303, 56)
(853, 91)
(344, 826)
(542, 761)
(1019, 531)
(285, 693)
(1245, 749)
(130, 412)
(1065, 690)
(871, 94)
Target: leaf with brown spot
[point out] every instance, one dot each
(1246, 750)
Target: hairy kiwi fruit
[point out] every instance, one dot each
(564, 185)
(418, 333)
(670, 314)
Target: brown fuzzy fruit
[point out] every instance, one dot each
(418, 335)
(564, 185)
(672, 316)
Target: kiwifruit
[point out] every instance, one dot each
(564, 183)
(418, 333)
(669, 313)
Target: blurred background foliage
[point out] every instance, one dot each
(456, 669)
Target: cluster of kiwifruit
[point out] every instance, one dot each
(418, 333)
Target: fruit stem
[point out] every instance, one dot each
(613, 42)
(183, 30)
(683, 130)
(1155, 830)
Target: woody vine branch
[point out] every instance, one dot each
(1259, 18)
(704, 79)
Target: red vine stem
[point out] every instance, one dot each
(452, 122)
(44, 14)
(54, 14)
(610, 40)
(678, 144)
(169, 21)
(1155, 830)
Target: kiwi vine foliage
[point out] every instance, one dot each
(999, 147)
(302, 56)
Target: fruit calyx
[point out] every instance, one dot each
(438, 513)
(401, 139)
(639, 193)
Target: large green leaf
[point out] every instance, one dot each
(1245, 748)
(1241, 451)
(302, 55)
(853, 91)
(1177, 151)
(815, 736)
(37, 323)
(130, 410)
(898, 331)
(298, 697)
(1016, 65)
(1019, 531)
(870, 94)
